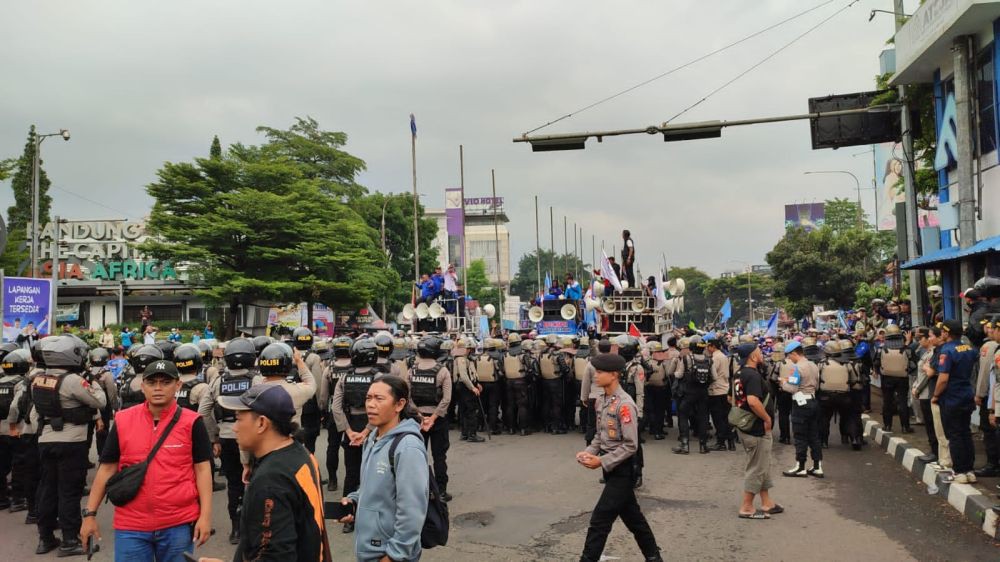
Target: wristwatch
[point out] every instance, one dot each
(87, 513)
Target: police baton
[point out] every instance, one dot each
(486, 421)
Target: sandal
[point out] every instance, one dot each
(774, 510)
(759, 514)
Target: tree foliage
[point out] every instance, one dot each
(19, 215)
(695, 304)
(479, 286)
(716, 291)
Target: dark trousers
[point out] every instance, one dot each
(866, 387)
(991, 437)
(490, 399)
(517, 403)
(895, 391)
(438, 437)
(927, 415)
(232, 469)
(805, 428)
(352, 455)
(839, 403)
(469, 411)
(25, 470)
(693, 408)
(590, 429)
(719, 408)
(63, 476)
(7, 444)
(333, 438)
(553, 396)
(784, 414)
(618, 500)
(656, 407)
(629, 274)
(309, 434)
(571, 396)
(956, 421)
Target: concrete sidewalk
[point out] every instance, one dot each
(974, 501)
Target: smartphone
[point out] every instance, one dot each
(337, 510)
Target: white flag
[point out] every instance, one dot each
(608, 272)
(661, 294)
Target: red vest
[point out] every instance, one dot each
(168, 496)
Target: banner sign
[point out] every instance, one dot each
(26, 304)
(455, 219)
(809, 216)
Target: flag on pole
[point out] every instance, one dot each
(608, 272)
(691, 325)
(633, 330)
(413, 125)
(841, 319)
(726, 312)
(772, 326)
(548, 284)
(661, 294)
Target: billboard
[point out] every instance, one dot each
(26, 303)
(809, 216)
(455, 218)
(889, 188)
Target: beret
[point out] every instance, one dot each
(608, 362)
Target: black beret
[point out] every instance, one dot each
(608, 362)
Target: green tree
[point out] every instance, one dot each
(735, 289)
(695, 304)
(842, 214)
(525, 281)
(215, 152)
(19, 215)
(479, 286)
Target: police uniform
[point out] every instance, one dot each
(893, 363)
(589, 393)
(571, 382)
(515, 372)
(695, 374)
(9, 445)
(430, 392)
(805, 417)
(487, 366)
(616, 442)
(579, 358)
(658, 389)
(467, 378)
(333, 372)
(104, 377)
(551, 374)
(25, 462)
(837, 378)
(348, 411)
(718, 400)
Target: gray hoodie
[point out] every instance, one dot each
(391, 509)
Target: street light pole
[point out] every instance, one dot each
(856, 183)
(384, 253)
(35, 193)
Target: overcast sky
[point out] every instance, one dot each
(140, 83)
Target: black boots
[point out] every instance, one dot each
(719, 446)
(473, 438)
(47, 544)
(234, 535)
(797, 471)
(683, 448)
(703, 448)
(72, 547)
(731, 443)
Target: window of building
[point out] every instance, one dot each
(197, 314)
(985, 80)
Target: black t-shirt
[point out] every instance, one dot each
(201, 447)
(749, 382)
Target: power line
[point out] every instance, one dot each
(98, 203)
(762, 61)
(681, 67)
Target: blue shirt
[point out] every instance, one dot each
(959, 361)
(116, 366)
(126, 339)
(427, 289)
(174, 337)
(209, 334)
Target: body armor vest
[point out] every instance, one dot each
(486, 368)
(45, 395)
(627, 378)
(7, 396)
(658, 373)
(128, 397)
(468, 368)
(547, 366)
(383, 365)
(894, 363)
(231, 385)
(513, 368)
(835, 378)
(580, 367)
(184, 394)
(423, 387)
(356, 389)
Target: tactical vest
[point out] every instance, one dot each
(547, 366)
(231, 385)
(183, 395)
(486, 369)
(423, 387)
(513, 367)
(894, 363)
(699, 370)
(626, 378)
(658, 373)
(7, 396)
(580, 367)
(128, 397)
(383, 365)
(468, 367)
(356, 389)
(835, 378)
(45, 395)
(401, 365)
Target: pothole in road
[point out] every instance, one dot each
(474, 519)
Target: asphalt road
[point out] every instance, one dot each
(525, 498)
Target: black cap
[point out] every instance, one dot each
(269, 400)
(161, 367)
(608, 362)
(953, 327)
(744, 350)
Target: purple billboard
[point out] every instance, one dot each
(809, 216)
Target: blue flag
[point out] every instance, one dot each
(548, 283)
(772, 326)
(843, 321)
(413, 125)
(726, 312)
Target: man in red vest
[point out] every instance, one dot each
(172, 511)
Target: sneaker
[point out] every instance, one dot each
(957, 479)
(929, 458)
(816, 470)
(971, 477)
(797, 471)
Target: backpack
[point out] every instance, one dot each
(436, 525)
(701, 370)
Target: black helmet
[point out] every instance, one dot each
(260, 342)
(364, 353)
(206, 351)
(7, 348)
(342, 347)
(98, 357)
(167, 347)
(275, 360)
(187, 358)
(628, 346)
(302, 338)
(143, 356)
(240, 353)
(429, 347)
(16, 362)
(384, 344)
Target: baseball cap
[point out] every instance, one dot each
(792, 346)
(953, 327)
(161, 367)
(269, 400)
(744, 350)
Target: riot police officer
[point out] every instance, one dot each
(235, 380)
(487, 365)
(384, 347)
(632, 381)
(97, 361)
(568, 348)
(208, 369)
(837, 378)
(260, 342)
(310, 414)
(22, 434)
(515, 373)
(281, 365)
(551, 374)
(9, 379)
(695, 374)
(893, 363)
(430, 392)
(130, 384)
(468, 389)
(188, 359)
(349, 411)
(779, 366)
(166, 347)
(332, 373)
(65, 403)
(657, 391)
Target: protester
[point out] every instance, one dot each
(108, 340)
(573, 290)
(750, 394)
(126, 338)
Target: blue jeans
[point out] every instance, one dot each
(165, 545)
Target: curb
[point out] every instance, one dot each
(966, 499)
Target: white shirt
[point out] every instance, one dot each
(148, 338)
(450, 282)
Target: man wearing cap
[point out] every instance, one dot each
(750, 394)
(953, 393)
(612, 449)
(282, 513)
(172, 511)
(802, 384)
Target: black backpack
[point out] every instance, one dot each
(701, 370)
(436, 524)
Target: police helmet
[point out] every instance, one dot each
(188, 359)
(167, 347)
(568, 342)
(778, 352)
(383, 343)
(364, 353)
(528, 345)
(7, 348)
(206, 351)
(513, 338)
(655, 347)
(143, 356)
(892, 330)
(628, 346)
(831, 348)
(342, 347)
(697, 344)
(323, 349)
(64, 352)
(275, 360)
(551, 340)
(260, 342)
(684, 343)
(429, 347)
(302, 338)
(36, 353)
(540, 345)
(240, 353)
(98, 357)
(16, 362)
(846, 345)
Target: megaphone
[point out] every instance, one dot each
(489, 310)
(435, 311)
(409, 313)
(535, 314)
(675, 287)
(624, 283)
(421, 311)
(568, 311)
(638, 305)
(592, 303)
(599, 290)
(609, 305)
